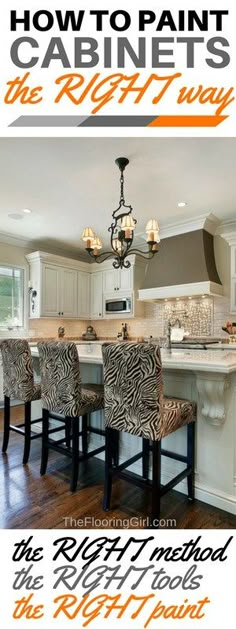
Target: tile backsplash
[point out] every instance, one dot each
(195, 315)
(199, 317)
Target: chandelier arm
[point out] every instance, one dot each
(143, 254)
(102, 257)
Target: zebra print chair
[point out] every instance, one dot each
(18, 384)
(65, 399)
(134, 403)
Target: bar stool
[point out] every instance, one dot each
(134, 404)
(66, 400)
(18, 384)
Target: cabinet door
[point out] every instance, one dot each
(83, 295)
(68, 290)
(117, 280)
(50, 291)
(96, 295)
(125, 279)
(110, 281)
(233, 295)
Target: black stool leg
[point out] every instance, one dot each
(156, 483)
(85, 434)
(190, 458)
(6, 430)
(44, 455)
(108, 468)
(115, 445)
(27, 432)
(75, 453)
(68, 431)
(145, 459)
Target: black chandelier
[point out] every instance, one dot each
(122, 232)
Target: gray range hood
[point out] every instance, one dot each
(185, 266)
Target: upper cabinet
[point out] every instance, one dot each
(68, 289)
(96, 303)
(59, 292)
(115, 280)
(62, 290)
(83, 295)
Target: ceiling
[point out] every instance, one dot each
(70, 183)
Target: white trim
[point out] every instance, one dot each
(230, 238)
(217, 499)
(43, 256)
(181, 290)
(17, 241)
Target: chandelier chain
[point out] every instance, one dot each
(122, 198)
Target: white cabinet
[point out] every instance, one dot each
(68, 293)
(65, 288)
(117, 280)
(59, 292)
(61, 287)
(96, 304)
(83, 295)
(50, 291)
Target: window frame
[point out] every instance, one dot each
(23, 304)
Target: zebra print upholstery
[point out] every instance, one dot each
(18, 378)
(62, 391)
(133, 390)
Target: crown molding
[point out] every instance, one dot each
(227, 230)
(32, 246)
(207, 221)
(15, 241)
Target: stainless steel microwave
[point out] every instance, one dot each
(122, 305)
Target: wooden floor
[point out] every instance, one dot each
(30, 501)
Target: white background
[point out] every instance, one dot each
(202, 74)
(218, 582)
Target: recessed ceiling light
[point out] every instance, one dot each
(182, 204)
(26, 211)
(16, 216)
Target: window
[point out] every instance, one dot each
(11, 297)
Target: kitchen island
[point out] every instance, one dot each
(209, 378)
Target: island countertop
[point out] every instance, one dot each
(218, 361)
(207, 377)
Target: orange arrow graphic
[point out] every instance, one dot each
(187, 121)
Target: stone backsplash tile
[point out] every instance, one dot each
(199, 317)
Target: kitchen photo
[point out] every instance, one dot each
(118, 333)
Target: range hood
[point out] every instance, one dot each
(184, 267)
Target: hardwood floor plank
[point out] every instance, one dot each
(30, 501)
